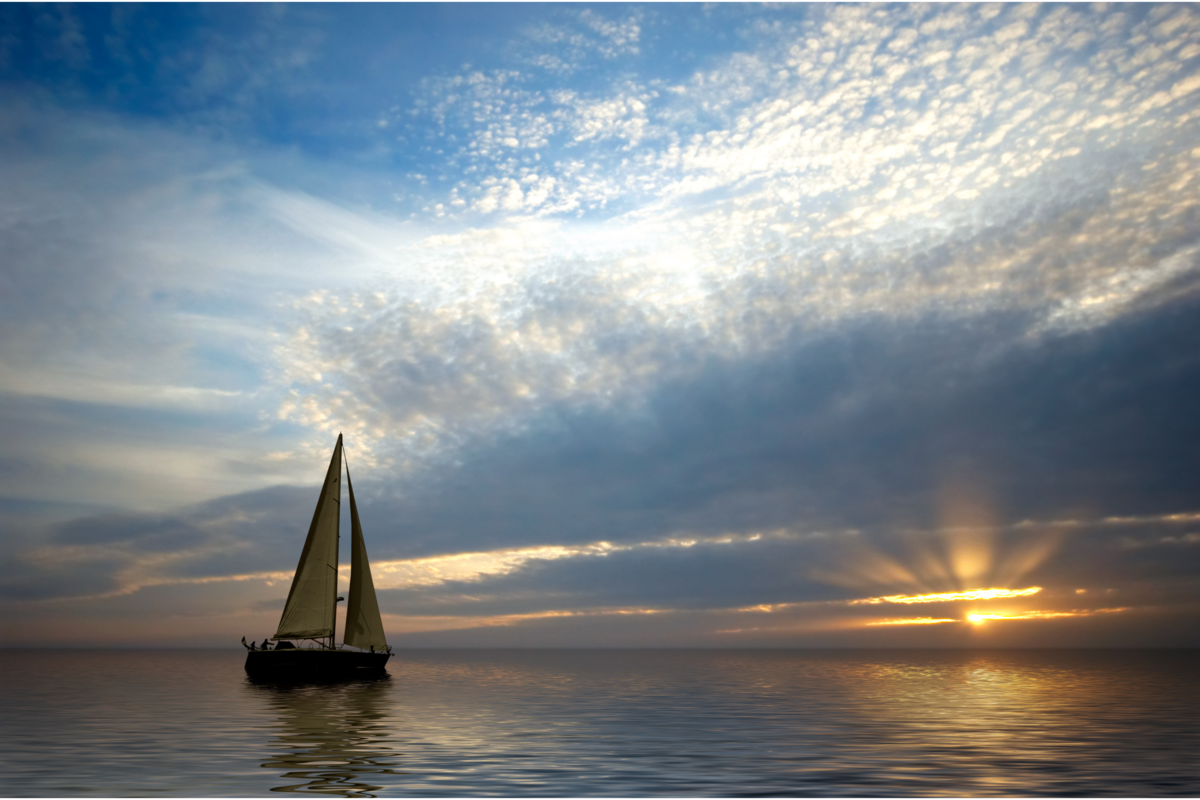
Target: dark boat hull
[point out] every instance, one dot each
(303, 663)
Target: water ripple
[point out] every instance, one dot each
(608, 723)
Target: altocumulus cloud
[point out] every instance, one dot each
(867, 301)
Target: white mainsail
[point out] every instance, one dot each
(364, 626)
(309, 612)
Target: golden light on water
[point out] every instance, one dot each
(949, 597)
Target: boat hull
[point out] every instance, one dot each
(303, 663)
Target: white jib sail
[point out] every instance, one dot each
(364, 626)
(310, 606)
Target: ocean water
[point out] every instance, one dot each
(607, 722)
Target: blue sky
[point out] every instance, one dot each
(672, 325)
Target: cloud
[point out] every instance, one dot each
(963, 222)
(122, 553)
(536, 333)
(570, 44)
(875, 285)
(846, 105)
(142, 300)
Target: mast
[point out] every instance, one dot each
(337, 548)
(364, 625)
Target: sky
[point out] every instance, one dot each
(645, 325)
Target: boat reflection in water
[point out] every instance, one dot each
(331, 737)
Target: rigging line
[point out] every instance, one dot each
(345, 461)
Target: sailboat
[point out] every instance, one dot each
(310, 612)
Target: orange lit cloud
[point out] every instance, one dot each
(980, 618)
(947, 597)
(428, 623)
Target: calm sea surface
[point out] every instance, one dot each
(607, 722)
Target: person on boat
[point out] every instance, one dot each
(266, 645)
